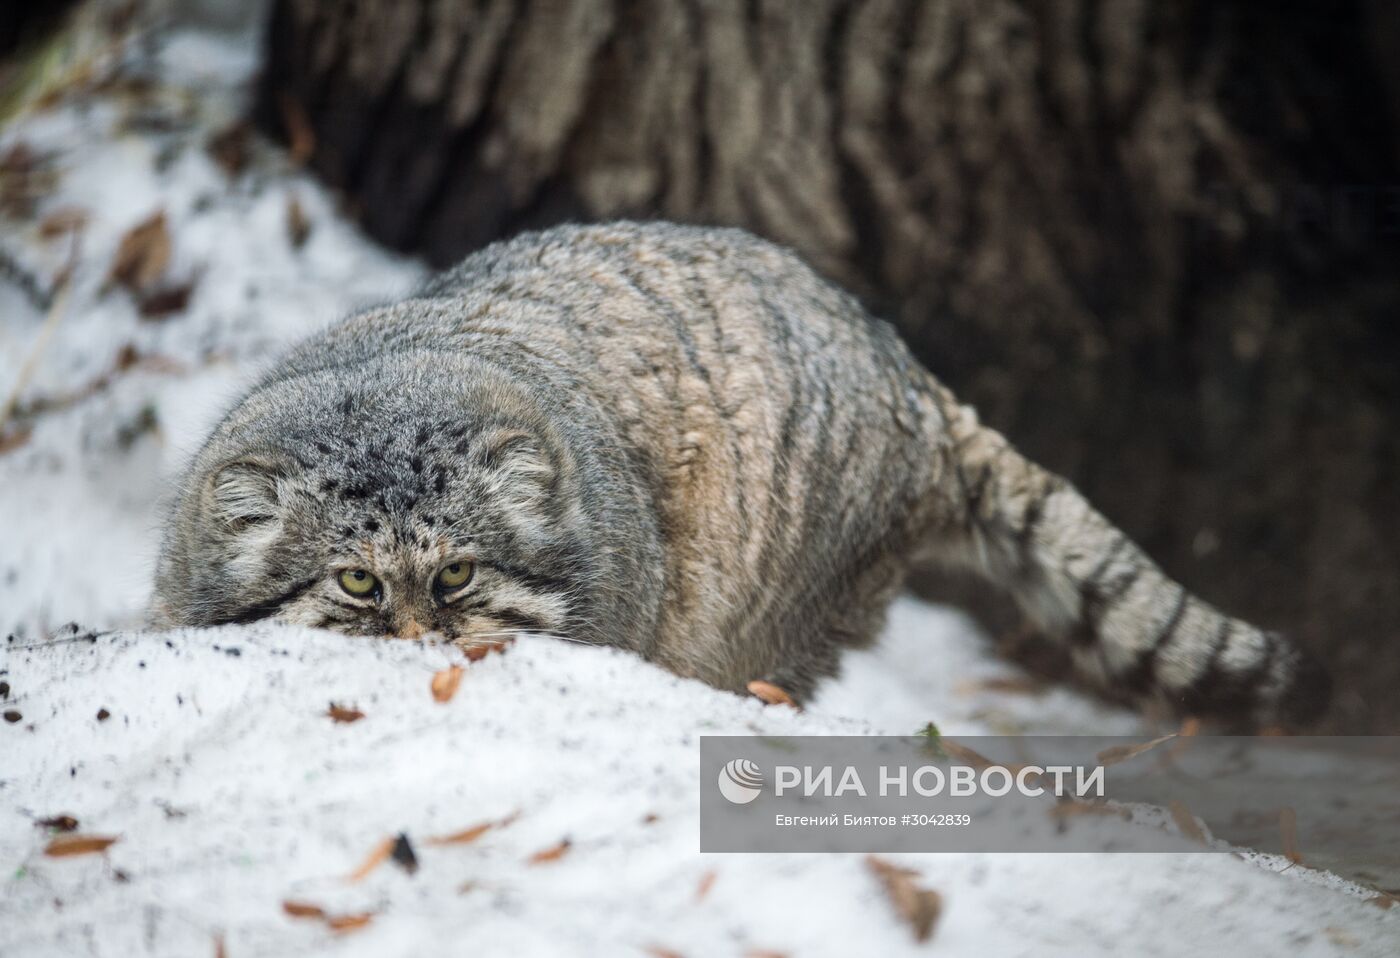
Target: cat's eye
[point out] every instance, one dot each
(454, 576)
(358, 583)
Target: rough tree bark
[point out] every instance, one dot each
(1152, 242)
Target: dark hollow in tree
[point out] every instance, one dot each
(1153, 243)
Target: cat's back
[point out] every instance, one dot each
(771, 411)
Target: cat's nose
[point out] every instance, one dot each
(410, 629)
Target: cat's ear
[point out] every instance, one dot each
(519, 458)
(516, 452)
(245, 493)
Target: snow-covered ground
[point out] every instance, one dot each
(210, 756)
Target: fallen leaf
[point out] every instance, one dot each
(219, 950)
(468, 835)
(761, 953)
(1185, 735)
(920, 907)
(13, 715)
(1121, 753)
(66, 845)
(298, 226)
(301, 909)
(707, 881)
(103, 715)
(62, 823)
(1383, 901)
(1185, 821)
(445, 683)
(15, 439)
(770, 693)
(67, 219)
(661, 951)
(403, 855)
(143, 255)
(165, 301)
(344, 923)
(479, 651)
(301, 138)
(376, 857)
(231, 147)
(342, 714)
(552, 853)
(1288, 828)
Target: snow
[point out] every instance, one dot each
(230, 789)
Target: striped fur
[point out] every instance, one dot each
(680, 441)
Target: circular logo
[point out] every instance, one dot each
(740, 781)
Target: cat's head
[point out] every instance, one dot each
(414, 507)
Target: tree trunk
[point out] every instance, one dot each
(1152, 242)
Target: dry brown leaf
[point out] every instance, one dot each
(343, 714)
(65, 845)
(444, 684)
(920, 907)
(1186, 822)
(165, 301)
(143, 255)
(1383, 901)
(298, 226)
(469, 835)
(302, 909)
(1121, 753)
(61, 823)
(1288, 828)
(220, 951)
(301, 138)
(232, 146)
(551, 854)
(1188, 731)
(770, 693)
(764, 953)
(661, 951)
(477, 652)
(14, 439)
(377, 856)
(344, 923)
(707, 881)
(62, 221)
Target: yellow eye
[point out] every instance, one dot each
(358, 582)
(454, 576)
